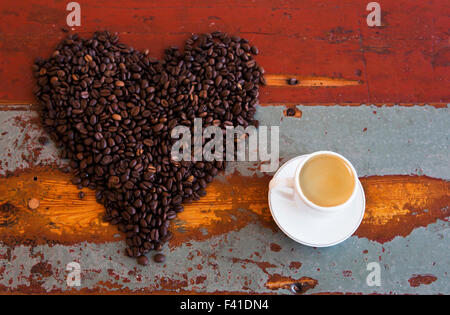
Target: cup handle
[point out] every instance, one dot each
(280, 183)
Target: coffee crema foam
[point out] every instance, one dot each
(326, 180)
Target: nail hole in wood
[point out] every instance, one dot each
(296, 288)
(292, 111)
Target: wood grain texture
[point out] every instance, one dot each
(396, 205)
(404, 61)
(326, 45)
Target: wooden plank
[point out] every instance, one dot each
(396, 205)
(404, 61)
(411, 52)
(326, 45)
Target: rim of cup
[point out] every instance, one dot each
(298, 188)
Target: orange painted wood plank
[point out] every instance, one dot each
(404, 61)
(396, 205)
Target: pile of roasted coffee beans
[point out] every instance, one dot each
(111, 108)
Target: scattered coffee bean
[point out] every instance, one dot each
(159, 258)
(81, 195)
(112, 108)
(143, 260)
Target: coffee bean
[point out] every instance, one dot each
(112, 109)
(172, 214)
(113, 180)
(148, 142)
(135, 111)
(143, 261)
(159, 258)
(158, 127)
(81, 195)
(292, 81)
(107, 159)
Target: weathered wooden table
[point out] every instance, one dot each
(378, 95)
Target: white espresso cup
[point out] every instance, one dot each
(294, 190)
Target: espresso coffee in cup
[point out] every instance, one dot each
(324, 180)
(327, 180)
(317, 199)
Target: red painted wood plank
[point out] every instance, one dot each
(409, 57)
(404, 61)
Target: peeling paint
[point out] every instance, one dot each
(104, 269)
(418, 280)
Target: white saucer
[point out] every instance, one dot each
(307, 226)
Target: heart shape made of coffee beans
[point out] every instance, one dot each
(112, 108)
